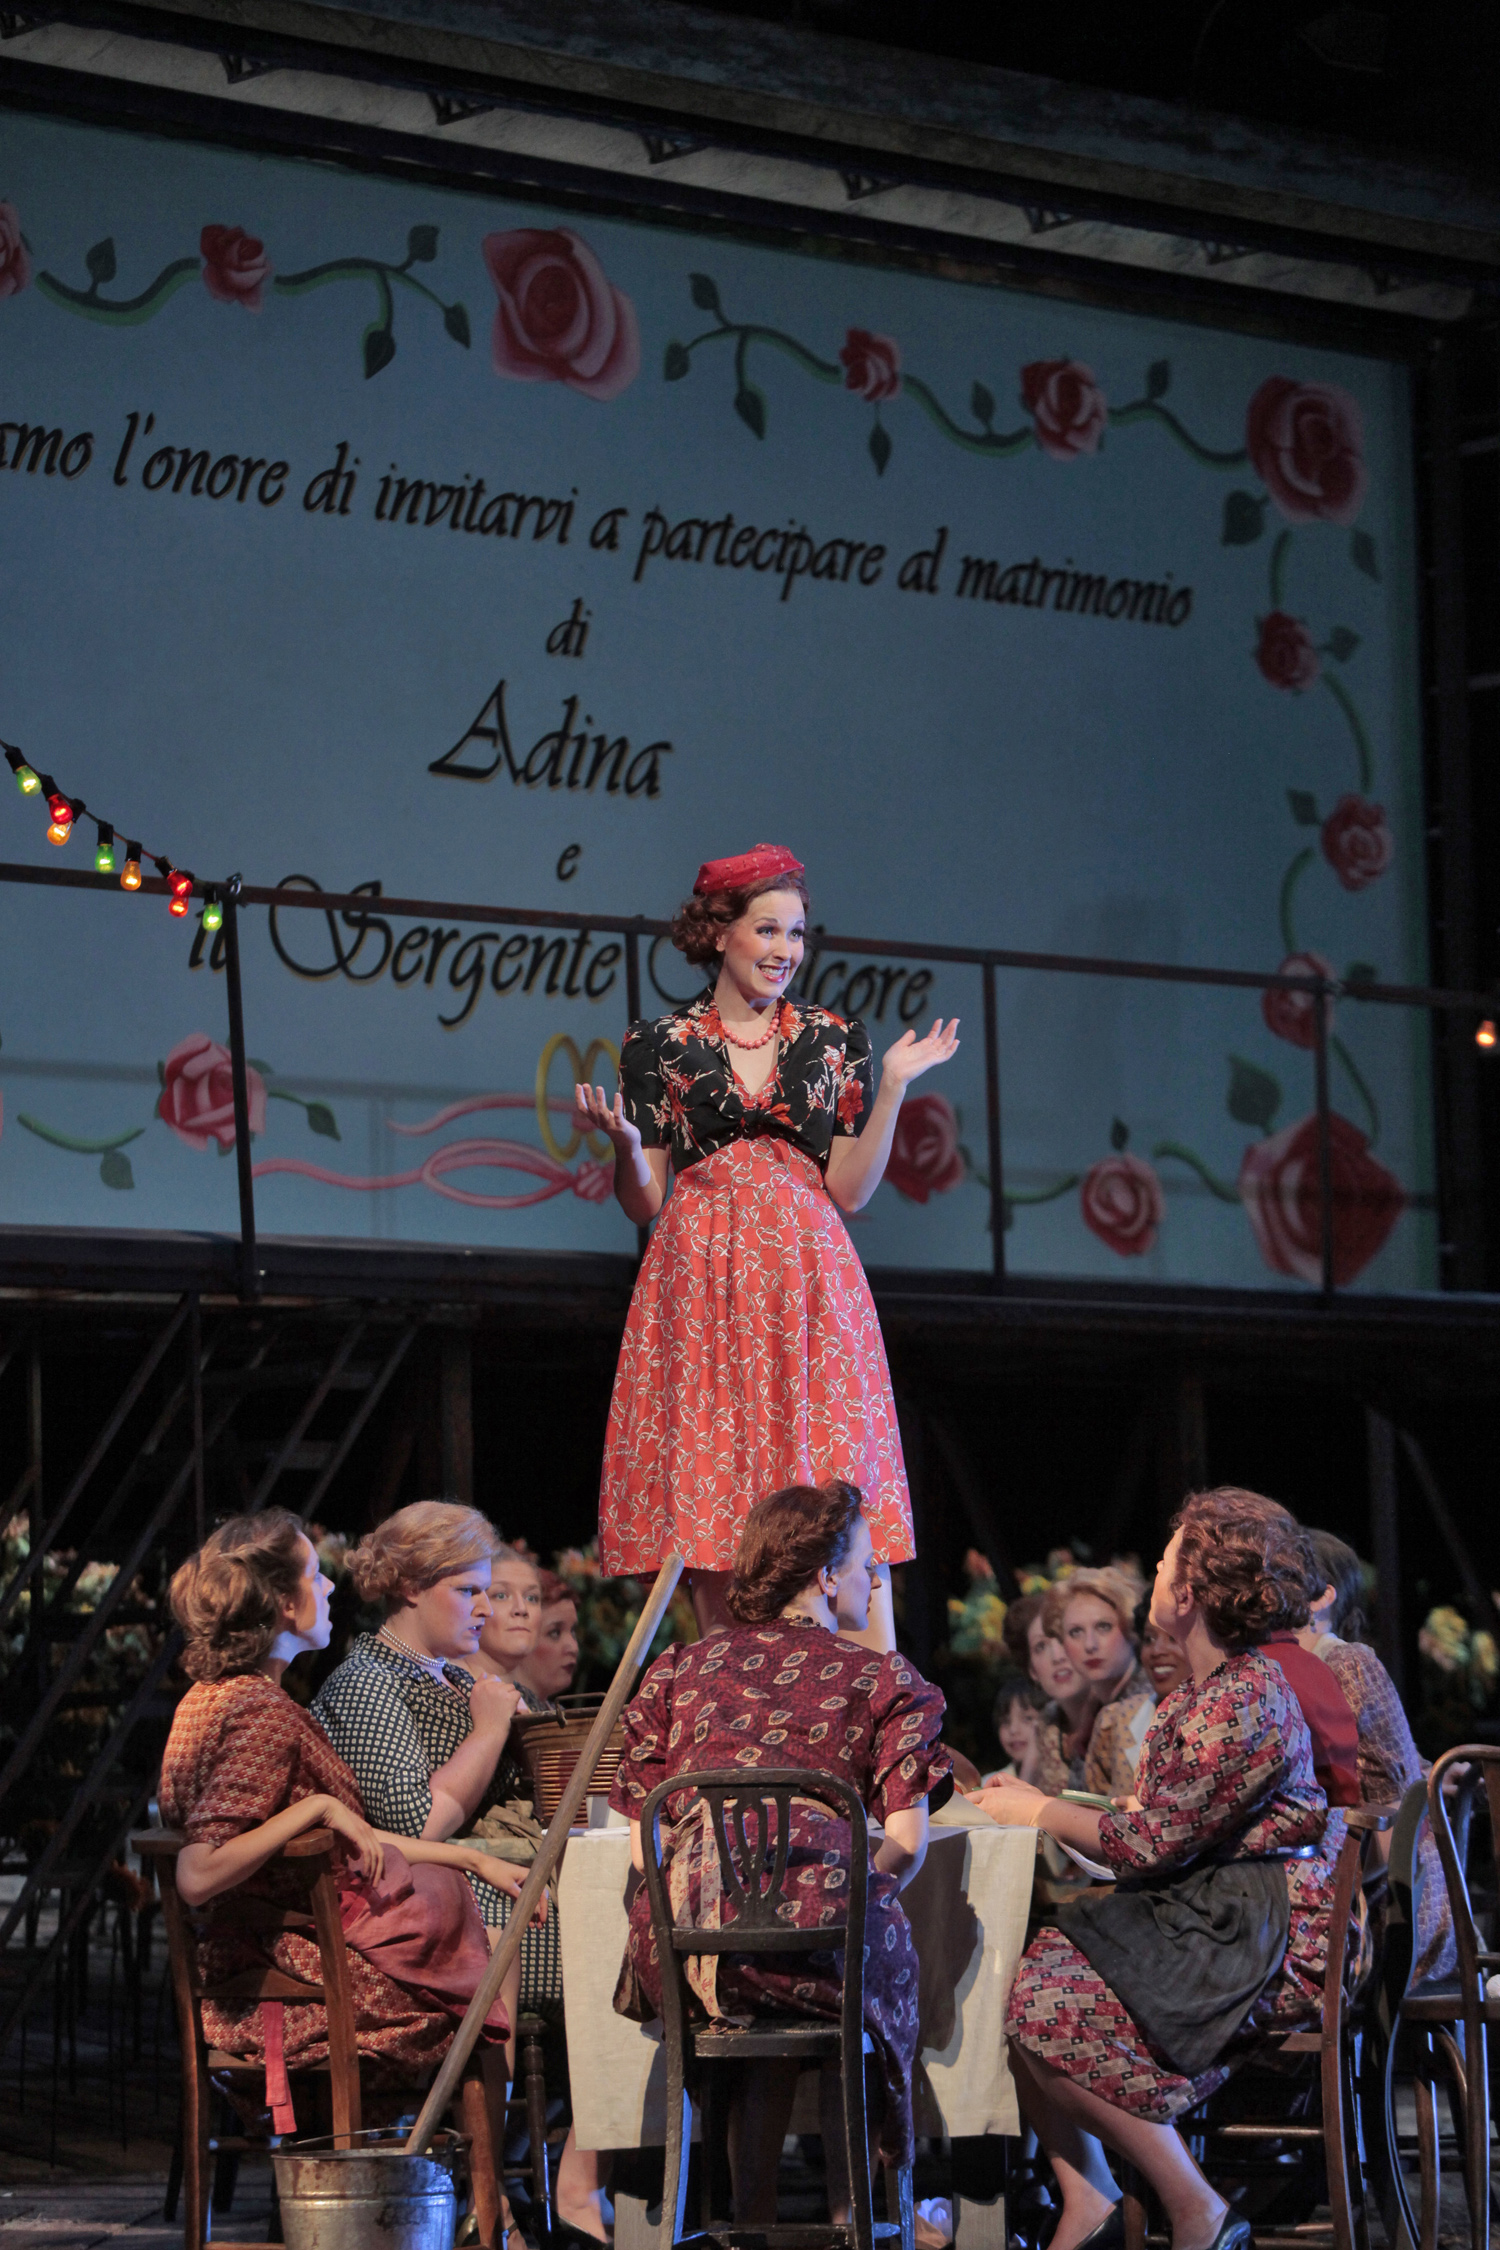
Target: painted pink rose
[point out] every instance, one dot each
(235, 266)
(559, 319)
(1357, 844)
(1280, 1188)
(1286, 652)
(197, 1093)
(15, 265)
(1293, 1015)
(1306, 441)
(871, 364)
(594, 1182)
(925, 1158)
(1122, 1202)
(1066, 405)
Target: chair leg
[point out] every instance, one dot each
(1337, 2092)
(533, 2061)
(857, 2149)
(484, 2179)
(1133, 2208)
(1477, 2133)
(196, 2099)
(900, 2203)
(679, 2142)
(1429, 2157)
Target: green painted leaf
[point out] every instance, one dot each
(421, 245)
(161, 1074)
(1363, 555)
(101, 261)
(880, 448)
(1361, 972)
(982, 404)
(380, 350)
(1244, 520)
(1254, 1096)
(225, 1148)
(114, 1169)
(677, 363)
(1158, 378)
(267, 1070)
(1342, 644)
(456, 321)
(321, 1120)
(705, 294)
(751, 409)
(1119, 1135)
(1304, 808)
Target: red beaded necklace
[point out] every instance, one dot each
(749, 1046)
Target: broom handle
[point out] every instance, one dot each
(441, 2092)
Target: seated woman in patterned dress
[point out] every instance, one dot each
(1387, 1760)
(785, 1688)
(246, 1771)
(1226, 1804)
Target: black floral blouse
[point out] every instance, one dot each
(681, 1091)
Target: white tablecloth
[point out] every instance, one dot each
(967, 1909)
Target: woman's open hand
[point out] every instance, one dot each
(1010, 1803)
(365, 1847)
(507, 1876)
(911, 1056)
(594, 1112)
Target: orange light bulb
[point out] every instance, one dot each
(1486, 1035)
(130, 875)
(177, 905)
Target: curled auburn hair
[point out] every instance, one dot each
(788, 1537)
(417, 1546)
(699, 923)
(230, 1598)
(1247, 1562)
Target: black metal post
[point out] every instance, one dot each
(633, 976)
(249, 1266)
(1385, 1544)
(992, 1125)
(195, 1378)
(633, 1005)
(1325, 1137)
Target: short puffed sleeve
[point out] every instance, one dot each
(856, 1097)
(646, 1723)
(909, 1761)
(641, 1085)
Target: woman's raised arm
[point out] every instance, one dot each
(856, 1166)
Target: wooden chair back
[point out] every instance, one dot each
(1477, 1960)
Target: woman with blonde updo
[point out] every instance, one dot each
(246, 1771)
(752, 1356)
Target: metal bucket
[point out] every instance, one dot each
(368, 2196)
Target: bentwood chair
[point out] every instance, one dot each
(749, 1812)
(1225, 2130)
(1445, 2020)
(309, 1860)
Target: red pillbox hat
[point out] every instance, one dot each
(747, 867)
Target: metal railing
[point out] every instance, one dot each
(632, 930)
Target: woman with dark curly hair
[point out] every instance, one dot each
(752, 1356)
(1142, 1999)
(790, 1685)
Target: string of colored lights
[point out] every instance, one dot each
(67, 811)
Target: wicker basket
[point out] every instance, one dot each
(551, 1748)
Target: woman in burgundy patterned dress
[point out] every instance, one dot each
(786, 1686)
(752, 1357)
(1226, 1807)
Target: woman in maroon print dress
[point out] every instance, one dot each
(752, 1357)
(246, 1770)
(786, 1686)
(1225, 1798)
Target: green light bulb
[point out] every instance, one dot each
(213, 915)
(27, 782)
(104, 859)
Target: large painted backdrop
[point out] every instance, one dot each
(361, 533)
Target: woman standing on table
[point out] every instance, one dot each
(752, 1357)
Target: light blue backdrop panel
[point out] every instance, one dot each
(1060, 629)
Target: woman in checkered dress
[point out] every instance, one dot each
(429, 1744)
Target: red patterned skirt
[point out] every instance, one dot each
(752, 1359)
